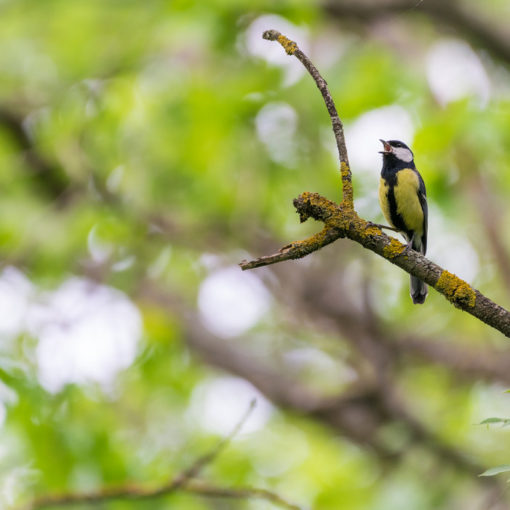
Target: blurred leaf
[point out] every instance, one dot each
(504, 468)
(488, 421)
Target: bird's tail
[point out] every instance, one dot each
(419, 289)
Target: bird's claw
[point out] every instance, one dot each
(382, 227)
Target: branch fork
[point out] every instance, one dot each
(342, 221)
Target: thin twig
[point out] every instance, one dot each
(181, 482)
(239, 492)
(385, 227)
(292, 49)
(295, 250)
(201, 462)
(136, 493)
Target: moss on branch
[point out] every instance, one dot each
(342, 220)
(456, 290)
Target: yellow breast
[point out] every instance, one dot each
(408, 203)
(383, 200)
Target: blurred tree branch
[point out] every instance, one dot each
(184, 482)
(139, 493)
(491, 217)
(317, 302)
(359, 413)
(380, 358)
(341, 220)
(469, 21)
(48, 176)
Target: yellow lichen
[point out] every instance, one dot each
(289, 46)
(371, 230)
(456, 290)
(447, 284)
(315, 200)
(305, 246)
(345, 171)
(393, 249)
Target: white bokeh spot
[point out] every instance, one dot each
(273, 53)
(219, 404)
(391, 122)
(454, 71)
(448, 248)
(276, 127)
(16, 291)
(86, 333)
(231, 302)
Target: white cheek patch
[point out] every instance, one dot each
(403, 154)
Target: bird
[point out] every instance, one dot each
(403, 200)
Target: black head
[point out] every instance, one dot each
(398, 150)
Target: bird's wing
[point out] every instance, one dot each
(422, 196)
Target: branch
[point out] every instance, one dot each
(50, 178)
(292, 49)
(471, 364)
(354, 417)
(341, 220)
(358, 413)
(238, 493)
(201, 462)
(318, 299)
(491, 216)
(137, 493)
(465, 19)
(183, 482)
(295, 250)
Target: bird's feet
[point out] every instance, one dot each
(382, 227)
(407, 249)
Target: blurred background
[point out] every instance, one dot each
(146, 148)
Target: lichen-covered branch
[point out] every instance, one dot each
(292, 49)
(295, 250)
(343, 222)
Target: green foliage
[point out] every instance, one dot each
(496, 470)
(145, 169)
(491, 421)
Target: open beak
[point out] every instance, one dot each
(387, 147)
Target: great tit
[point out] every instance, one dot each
(403, 202)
